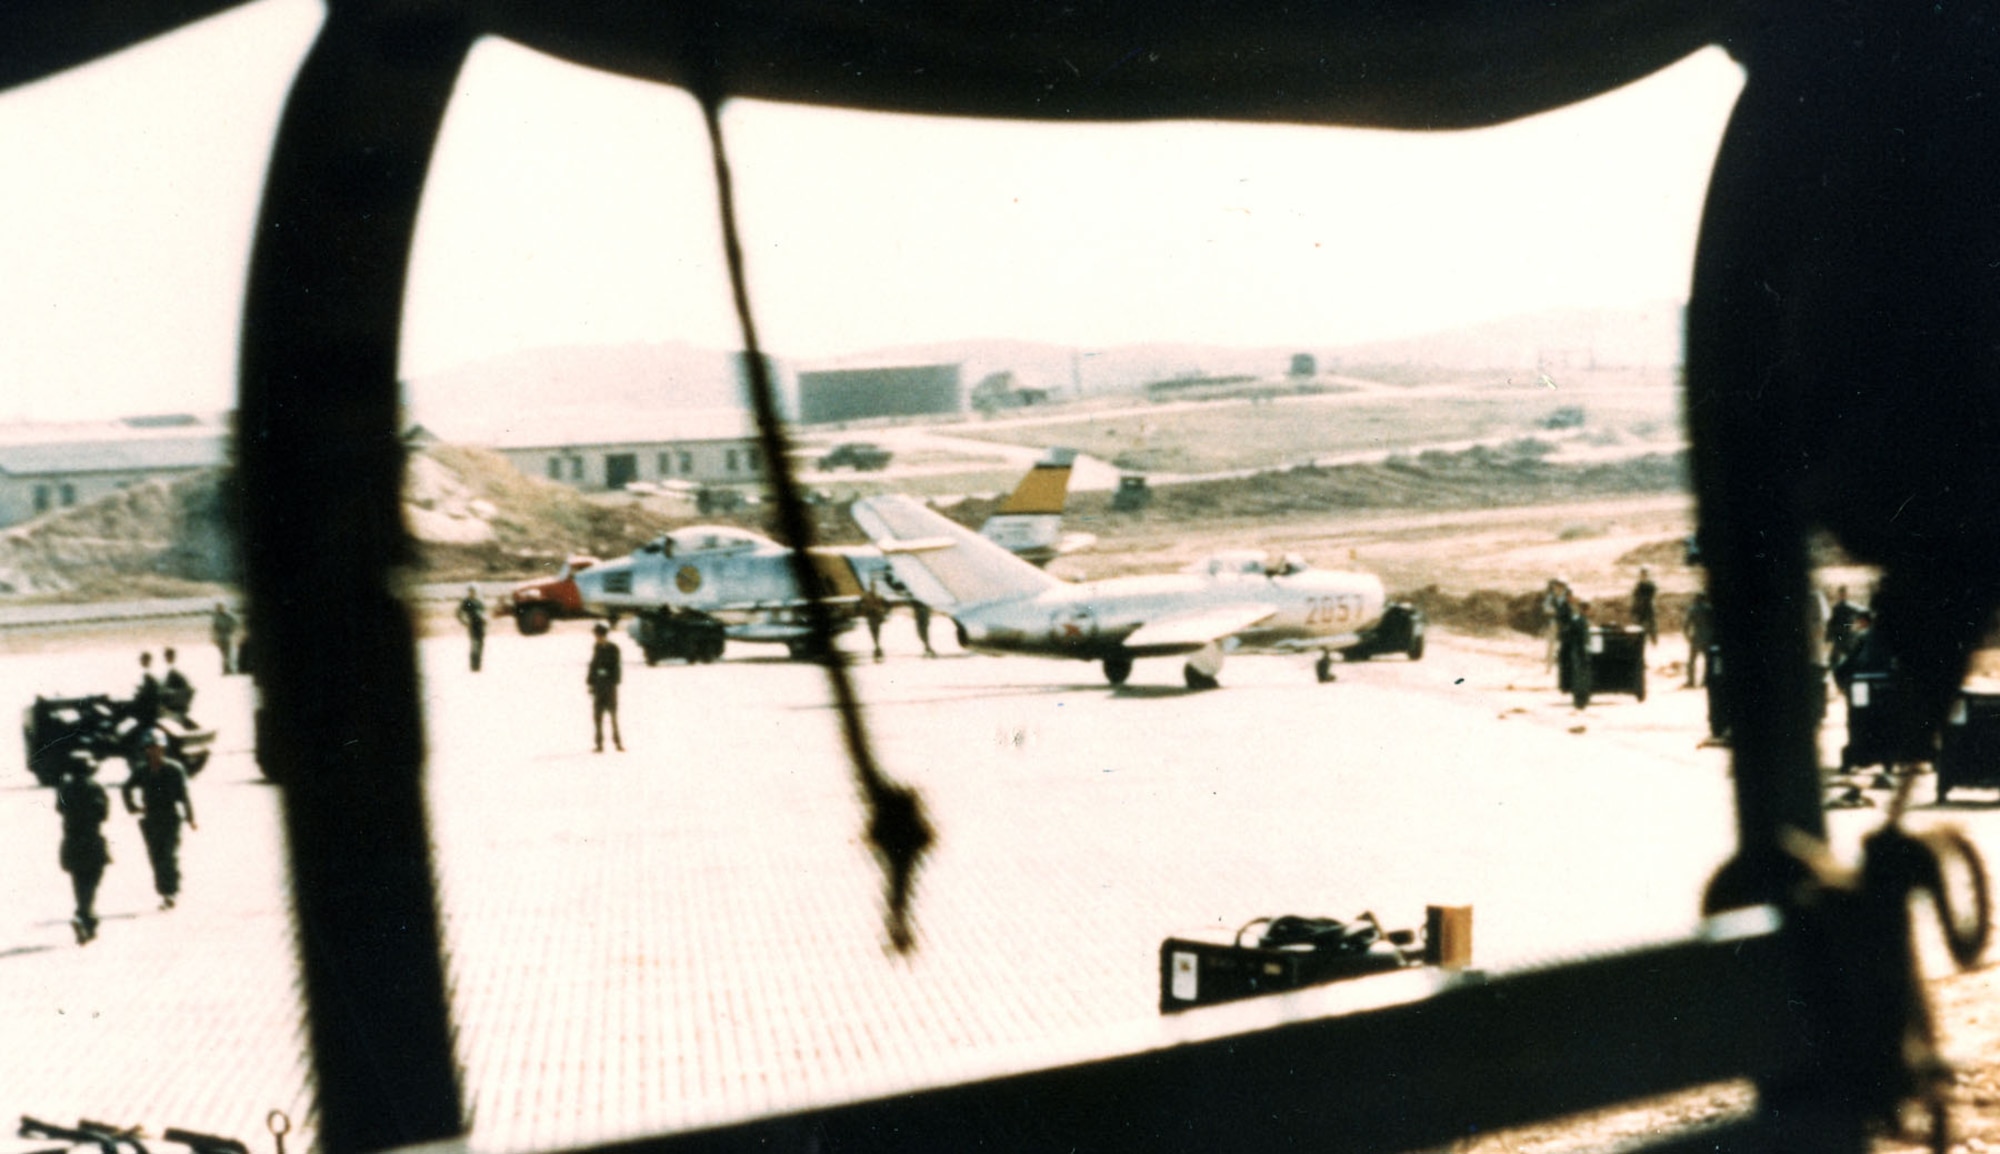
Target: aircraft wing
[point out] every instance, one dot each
(1182, 632)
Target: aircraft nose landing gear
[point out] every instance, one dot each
(1323, 668)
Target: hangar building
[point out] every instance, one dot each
(831, 395)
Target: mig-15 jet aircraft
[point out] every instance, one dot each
(693, 590)
(1005, 605)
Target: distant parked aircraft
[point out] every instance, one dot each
(1003, 604)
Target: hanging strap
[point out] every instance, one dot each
(898, 832)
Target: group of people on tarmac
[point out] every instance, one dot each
(875, 611)
(1569, 626)
(606, 669)
(1840, 627)
(155, 789)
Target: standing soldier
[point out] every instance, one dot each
(1645, 613)
(1556, 612)
(873, 608)
(1700, 631)
(83, 806)
(145, 704)
(176, 692)
(605, 672)
(1576, 653)
(1840, 626)
(472, 615)
(163, 797)
(222, 630)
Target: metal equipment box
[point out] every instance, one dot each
(1196, 973)
(1880, 730)
(1617, 662)
(1969, 750)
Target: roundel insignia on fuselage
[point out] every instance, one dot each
(688, 579)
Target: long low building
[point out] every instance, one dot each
(599, 452)
(45, 468)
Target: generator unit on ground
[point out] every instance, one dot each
(1295, 952)
(1617, 655)
(1969, 748)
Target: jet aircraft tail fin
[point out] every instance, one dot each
(941, 562)
(1029, 522)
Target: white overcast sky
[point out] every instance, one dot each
(571, 208)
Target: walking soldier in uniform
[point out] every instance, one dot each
(472, 615)
(162, 787)
(1645, 607)
(603, 677)
(222, 630)
(84, 854)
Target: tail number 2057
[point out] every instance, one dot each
(1338, 609)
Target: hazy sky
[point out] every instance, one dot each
(568, 207)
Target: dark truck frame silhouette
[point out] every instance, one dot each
(1810, 991)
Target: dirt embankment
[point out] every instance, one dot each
(1483, 477)
(475, 517)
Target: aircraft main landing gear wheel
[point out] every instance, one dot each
(1416, 649)
(1196, 679)
(1117, 669)
(1323, 668)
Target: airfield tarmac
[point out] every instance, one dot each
(689, 932)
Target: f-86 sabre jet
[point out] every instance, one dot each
(1002, 604)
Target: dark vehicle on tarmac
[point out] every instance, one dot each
(54, 727)
(857, 455)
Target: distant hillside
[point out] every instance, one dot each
(1571, 339)
(673, 375)
(462, 403)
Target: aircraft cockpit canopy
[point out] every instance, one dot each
(714, 539)
(1233, 563)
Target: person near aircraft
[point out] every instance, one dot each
(222, 630)
(923, 616)
(874, 610)
(472, 615)
(161, 784)
(1645, 607)
(145, 704)
(602, 678)
(84, 853)
(176, 691)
